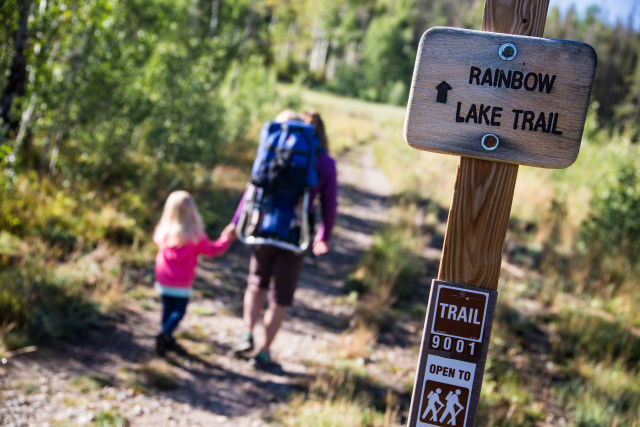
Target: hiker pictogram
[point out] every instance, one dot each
(453, 408)
(432, 406)
(443, 404)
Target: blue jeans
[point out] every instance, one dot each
(173, 309)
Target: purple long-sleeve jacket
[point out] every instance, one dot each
(327, 188)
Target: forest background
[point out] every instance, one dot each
(107, 106)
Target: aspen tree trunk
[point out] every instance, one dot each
(17, 79)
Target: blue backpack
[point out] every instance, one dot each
(286, 158)
(277, 198)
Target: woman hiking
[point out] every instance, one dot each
(284, 266)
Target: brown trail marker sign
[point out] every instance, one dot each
(498, 100)
(534, 101)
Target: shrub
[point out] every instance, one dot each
(610, 235)
(40, 305)
(342, 395)
(389, 268)
(397, 93)
(387, 274)
(587, 335)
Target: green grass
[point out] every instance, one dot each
(596, 337)
(602, 393)
(149, 378)
(387, 274)
(202, 311)
(194, 333)
(43, 305)
(508, 396)
(332, 413)
(88, 383)
(591, 374)
(142, 293)
(351, 122)
(340, 396)
(110, 418)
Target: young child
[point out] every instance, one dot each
(180, 238)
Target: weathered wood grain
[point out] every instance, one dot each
(477, 223)
(526, 17)
(552, 89)
(483, 193)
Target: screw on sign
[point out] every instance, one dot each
(498, 98)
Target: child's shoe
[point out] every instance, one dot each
(162, 343)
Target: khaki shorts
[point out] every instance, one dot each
(284, 266)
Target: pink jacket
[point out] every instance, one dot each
(176, 266)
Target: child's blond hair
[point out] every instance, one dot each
(287, 115)
(180, 222)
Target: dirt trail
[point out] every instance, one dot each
(115, 371)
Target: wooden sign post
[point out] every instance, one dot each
(497, 100)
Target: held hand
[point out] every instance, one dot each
(320, 247)
(229, 232)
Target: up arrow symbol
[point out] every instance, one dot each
(443, 88)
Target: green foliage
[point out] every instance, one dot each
(387, 274)
(589, 371)
(109, 81)
(15, 340)
(389, 268)
(342, 395)
(618, 49)
(89, 383)
(602, 393)
(587, 335)
(65, 219)
(248, 92)
(158, 376)
(611, 231)
(334, 413)
(9, 247)
(387, 59)
(44, 306)
(348, 80)
(383, 70)
(110, 418)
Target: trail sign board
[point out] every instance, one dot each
(446, 392)
(500, 97)
(460, 314)
(452, 355)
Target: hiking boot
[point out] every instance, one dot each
(244, 344)
(263, 361)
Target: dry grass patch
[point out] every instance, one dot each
(342, 395)
(356, 344)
